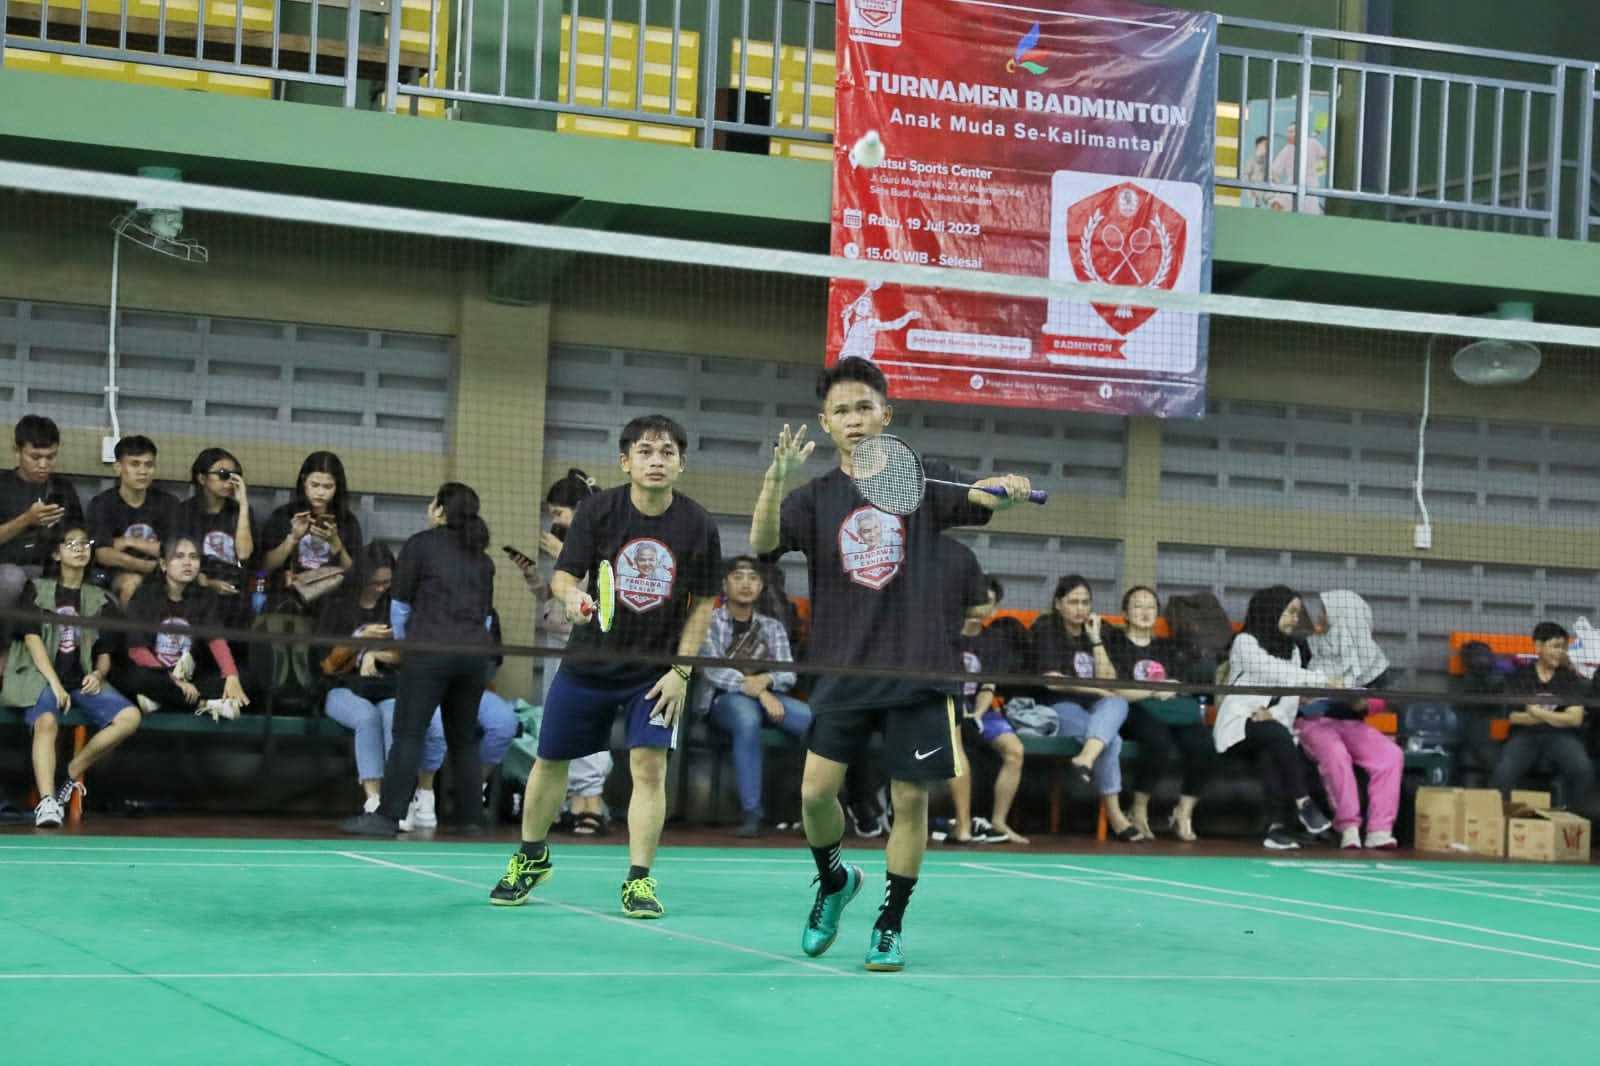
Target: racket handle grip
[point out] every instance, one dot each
(1036, 496)
(586, 608)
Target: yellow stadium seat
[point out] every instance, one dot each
(181, 13)
(791, 105)
(1227, 162)
(138, 73)
(620, 80)
(427, 107)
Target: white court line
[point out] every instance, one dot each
(1436, 881)
(632, 923)
(1553, 904)
(486, 867)
(763, 975)
(1320, 919)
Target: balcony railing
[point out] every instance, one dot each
(1308, 120)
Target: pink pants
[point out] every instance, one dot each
(1338, 746)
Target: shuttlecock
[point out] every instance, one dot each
(868, 151)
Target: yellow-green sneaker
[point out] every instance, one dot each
(639, 898)
(522, 876)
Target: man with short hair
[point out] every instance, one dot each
(741, 703)
(130, 520)
(878, 606)
(1550, 723)
(666, 553)
(34, 502)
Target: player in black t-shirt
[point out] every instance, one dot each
(131, 520)
(667, 557)
(1549, 722)
(879, 595)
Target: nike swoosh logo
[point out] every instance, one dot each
(920, 755)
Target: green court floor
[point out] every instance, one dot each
(226, 951)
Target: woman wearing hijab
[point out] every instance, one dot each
(1265, 653)
(1340, 740)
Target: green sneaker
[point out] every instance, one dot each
(522, 876)
(823, 925)
(884, 953)
(639, 898)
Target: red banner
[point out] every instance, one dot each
(1069, 139)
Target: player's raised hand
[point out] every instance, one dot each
(790, 452)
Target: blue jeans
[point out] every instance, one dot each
(1099, 721)
(742, 718)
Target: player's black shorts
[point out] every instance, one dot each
(919, 739)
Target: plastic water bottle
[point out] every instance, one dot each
(258, 599)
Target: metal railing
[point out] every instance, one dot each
(1407, 130)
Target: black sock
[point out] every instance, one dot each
(896, 894)
(830, 868)
(536, 850)
(636, 872)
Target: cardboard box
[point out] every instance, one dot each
(1461, 819)
(1437, 811)
(1549, 836)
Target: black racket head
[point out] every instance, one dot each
(888, 474)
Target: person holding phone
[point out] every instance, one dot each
(314, 538)
(34, 502)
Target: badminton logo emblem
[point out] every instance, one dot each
(876, 21)
(1126, 235)
(646, 571)
(872, 546)
(170, 647)
(1029, 55)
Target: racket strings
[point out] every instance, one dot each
(888, 474)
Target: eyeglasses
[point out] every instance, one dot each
(77, 545)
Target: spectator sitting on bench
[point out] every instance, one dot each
(1067, 643)
(33, 504)
(986, 652)
(742, 703)
(61, 665)
(1336, 735)
(1265, 653)
(162, 669)
(1161, 723)
(1550, 723)
(131, 520)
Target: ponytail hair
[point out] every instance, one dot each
(460, 505)
(571, 490)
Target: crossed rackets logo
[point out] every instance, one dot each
(1126, 235)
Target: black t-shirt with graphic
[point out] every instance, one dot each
(213, 532)
(152, 606)
(69, 659)
(986, 654)
(1057, 651)
(1156, 661)
(659, 563)
(313, 551)
(32, 547)
(880, 594)
(1563, 690)
(110, 517)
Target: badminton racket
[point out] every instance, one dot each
(889, 474)
(604, 605)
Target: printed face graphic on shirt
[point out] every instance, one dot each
(1083, 664)
(872, 546)
(970, 663)
(646, 571)
(69, 634)
(170, 647)
(314, 552)
(140, 531)
(1149, 670)
(219, 545)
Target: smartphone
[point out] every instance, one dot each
(517, 557)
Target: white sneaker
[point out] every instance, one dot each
(421, 814)
(1350, 838)
(218, 709)
(371, 806)
(48, 814)
(1382, 840)
(68, 787)
(148, 705)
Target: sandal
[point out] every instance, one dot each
(588, 824)
(1128, 834)
(1084, 774)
